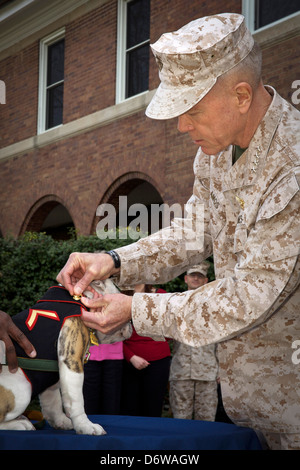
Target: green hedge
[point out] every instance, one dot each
(30, 264)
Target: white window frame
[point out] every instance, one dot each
(248, 10)
(42, 106)
(121, 53)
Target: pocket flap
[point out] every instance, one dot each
(279, 197)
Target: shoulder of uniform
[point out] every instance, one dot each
(287, 136)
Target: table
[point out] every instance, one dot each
(133, 433)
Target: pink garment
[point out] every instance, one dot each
(106, 351)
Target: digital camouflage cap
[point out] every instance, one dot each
(191, 59)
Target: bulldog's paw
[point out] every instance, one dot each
(61, 422)
(85, 426)
(19, 424)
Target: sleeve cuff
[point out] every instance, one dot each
(147, 315)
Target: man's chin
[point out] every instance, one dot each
(207, 149)
(210, 150)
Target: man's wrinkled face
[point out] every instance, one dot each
(214, 123)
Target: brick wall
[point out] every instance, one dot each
(90, 62)
(18, 117)
(281, 67)
(79, 170)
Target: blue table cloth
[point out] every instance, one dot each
(137, 433)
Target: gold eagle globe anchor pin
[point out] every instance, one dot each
(241, 202)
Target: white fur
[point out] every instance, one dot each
(71, 388)
(19, 424)
(21, 389)
(52, 408)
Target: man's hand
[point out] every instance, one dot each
(83, 268)
(110, 312)
(9, 330)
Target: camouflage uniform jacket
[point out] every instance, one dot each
(190, 363)
(252, 228)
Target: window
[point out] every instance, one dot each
(260, 13)
(51, 81)
(133, 48)
(269, 11)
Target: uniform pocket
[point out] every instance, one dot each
(279, 197)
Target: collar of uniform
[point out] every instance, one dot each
(58, 293)
(248, 167)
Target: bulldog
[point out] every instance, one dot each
(54, 327)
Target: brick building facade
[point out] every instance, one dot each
(105, 146)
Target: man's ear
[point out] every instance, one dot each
(244, 95)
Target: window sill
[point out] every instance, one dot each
(278, 32)
(92, 121)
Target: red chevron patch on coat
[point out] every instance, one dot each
(34, 314)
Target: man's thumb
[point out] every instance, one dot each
(94, 303)
(83, 283)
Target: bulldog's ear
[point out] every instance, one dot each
(120, 335)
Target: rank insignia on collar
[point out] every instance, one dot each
(257, 158)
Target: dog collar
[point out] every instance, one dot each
(48, 365)
(45, 365)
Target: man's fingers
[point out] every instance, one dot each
(93, 320)
(108, 313)
(71, 273)
(96, 303)
(83, 283)
(11, 331)
(11, 357)
(22, 340)
(65, 279)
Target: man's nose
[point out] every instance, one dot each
(184, 124)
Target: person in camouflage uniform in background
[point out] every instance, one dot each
(193, 372)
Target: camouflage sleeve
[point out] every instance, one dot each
(164, 255)
(264, 278)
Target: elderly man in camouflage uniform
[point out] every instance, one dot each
(193, 372)
(210, 80)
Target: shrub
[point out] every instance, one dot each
(30, 264)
